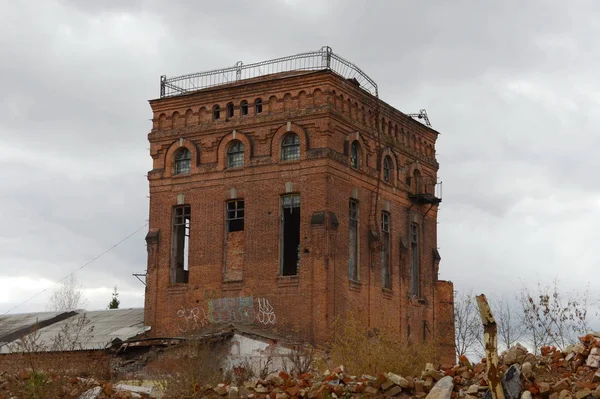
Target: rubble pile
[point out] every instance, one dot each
(554, 374)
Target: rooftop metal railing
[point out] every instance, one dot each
(323, 59)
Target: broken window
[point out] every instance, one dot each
(216, 112)
(180, 244)
(414, 259)
(387, 169)
(353, 240)
(230, 110)
(290, 147)
(385, 250)
(290, 254)
(244, 107)
(355, 155)
(235, 215)
(235, 154)
(258, 106)
(183, 161)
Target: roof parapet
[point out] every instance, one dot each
(323, 59)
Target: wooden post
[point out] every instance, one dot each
(490, 339)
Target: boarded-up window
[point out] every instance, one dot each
(234, 241)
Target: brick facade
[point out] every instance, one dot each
(237, 276)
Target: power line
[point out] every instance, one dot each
(76, 270)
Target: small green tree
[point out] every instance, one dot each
(114, 303)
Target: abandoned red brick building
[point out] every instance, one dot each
(285, 194)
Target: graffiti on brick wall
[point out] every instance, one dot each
(189, 319)
(231, 310)
(238, 310)
(266, 314)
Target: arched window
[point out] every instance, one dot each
(230, 110)
(244, 107)
(235, 154)
(387, 169)
(258, 106)
(355, 155)
(290, 147)
(183, 161)
(216, 112)
(417, 182)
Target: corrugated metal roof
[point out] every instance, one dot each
(15, 325)
(94, 329)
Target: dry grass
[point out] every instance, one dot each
(364, 351)
(185, 376)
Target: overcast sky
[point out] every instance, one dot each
(512, 86)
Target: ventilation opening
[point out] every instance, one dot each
(291, 235)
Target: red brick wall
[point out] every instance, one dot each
(80, 363)
(326, 112)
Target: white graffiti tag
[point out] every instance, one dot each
(266, 314)
(191, 319)
(237, 310)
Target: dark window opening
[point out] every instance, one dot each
(216, 112)
(290, 257)
(235, 215)
(230, 110)
(258, 106)
(235, 154)
(416, 182)
(181, 244)
(183, 161)
(290, 147)
(244, 107)
(353, 260)
(385, 250)
(387, 169)
(355, 155)
(414, 259)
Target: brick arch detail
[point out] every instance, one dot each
(170, 153)
(224, 145)
(278, 138)
(415, 166)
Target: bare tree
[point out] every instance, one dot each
(67, 296)
(467, 325)
(553, 318)
(510, 328)
(75, 333)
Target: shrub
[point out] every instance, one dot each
(372, 351)
(197, 365)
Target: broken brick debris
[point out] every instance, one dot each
(570, 374)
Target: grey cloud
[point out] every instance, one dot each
(510, 85)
